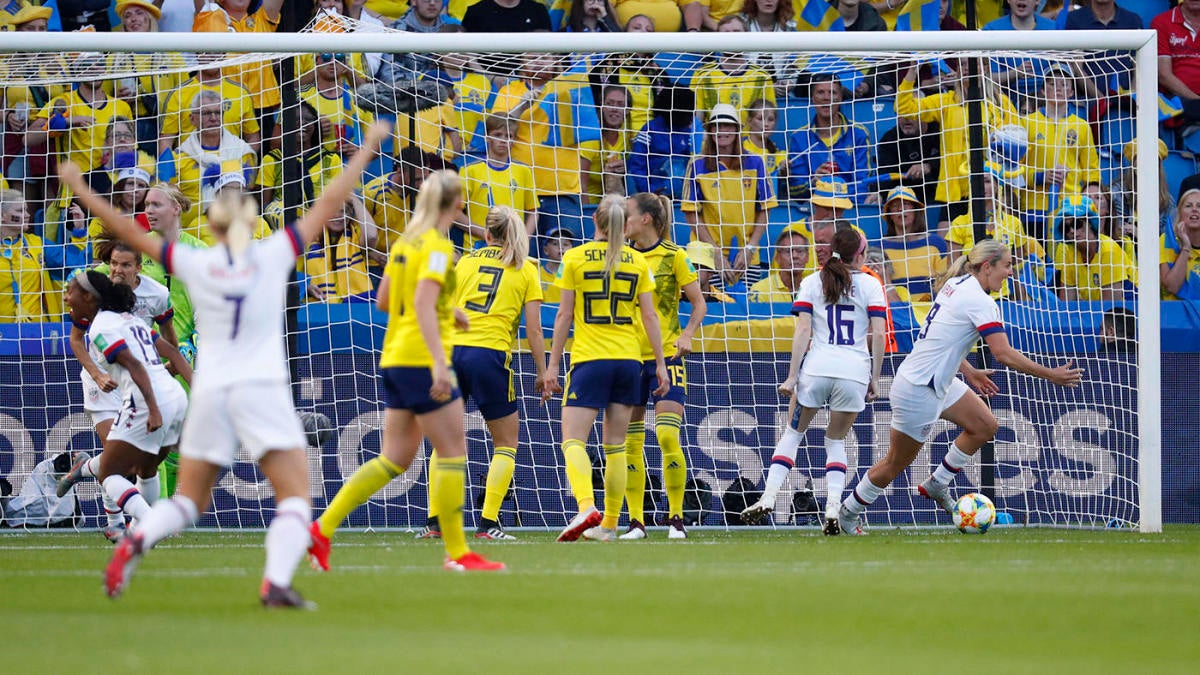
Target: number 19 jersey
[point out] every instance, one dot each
(110, 334)
(605, 303)
(839, 331)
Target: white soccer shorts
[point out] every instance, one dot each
(258, 416)
(917, 407)
(99, 405)
(130, 425)
(814, 391)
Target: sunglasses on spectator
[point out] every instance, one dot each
(327, 57)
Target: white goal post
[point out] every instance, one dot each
(720, 441)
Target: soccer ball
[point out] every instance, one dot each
(317, 428)
(974, 514)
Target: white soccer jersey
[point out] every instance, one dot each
(839, 331)
(961, 314)
(153, 302)
(239, 307)
(109, 335)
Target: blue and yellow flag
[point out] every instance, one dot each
(817, 15)
(919, 15)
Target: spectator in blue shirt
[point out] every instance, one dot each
(660, 153)
(423, 16)
(830, 145)
(1023, 75)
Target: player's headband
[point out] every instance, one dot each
(86, 283)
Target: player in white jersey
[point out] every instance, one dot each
(925, 387)
(101, 399)
(836, 310)
(238, 291)
(153, 404)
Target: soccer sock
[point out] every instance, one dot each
(953, 463)
(499, 477)
(150, 489)
(835, 471)
(431, 510)
(90, 468)
(863, 495)
(782, 461)
(450, 481)
(579, 473)
(666, 427)
(126, 495)
(287, 540)
(366, 481)
(635, 465)
(616, 475)
(116, 517)
(168, 517)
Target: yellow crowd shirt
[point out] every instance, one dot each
(493, 295)
(259, 77)
(726, 200)
(713, 85)
(84, 144)
(429, 256)
(1065, 141)
(389, 208)
(672, 271)
(237, 107)
(1109, 266)
(1168, 256)
(598, 153)
(486, 185)
(24, 283)
(338, 268)
(605, 304)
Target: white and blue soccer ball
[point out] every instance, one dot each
(974, 513)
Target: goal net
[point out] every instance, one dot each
(764, 152)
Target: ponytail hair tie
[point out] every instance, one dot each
(837, 255)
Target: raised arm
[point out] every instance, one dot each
(1065, 375)
(122, 226)
(339, 190)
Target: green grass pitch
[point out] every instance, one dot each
(1013, 600)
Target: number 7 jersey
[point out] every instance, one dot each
(839, 331)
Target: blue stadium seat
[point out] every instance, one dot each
(1115, 131)
(1147, 9)
(794, 113)
(1178, 166)
(589, 225)
(878, 115)
(681, 231)
(868, 219)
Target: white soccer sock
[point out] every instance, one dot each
(90, 468)
(168, 517)
(835, 471)
(126, 496)
(781, 463)
(863, 495)
(287, 540)
(953, 463)
(150, 489)
(116, 517)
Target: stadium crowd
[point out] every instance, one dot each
(764, 156)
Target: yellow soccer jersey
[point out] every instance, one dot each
(338, 269)
(773, 161)
(605, 305)
(1168, 256)
(493, 296)
(341, 111)
(25, 289)
(430, 256)
(1006, 229)
(84, 143)
(1065, 141)
(238, 117)
(486, 185)
(672, 271)
(386, 202)
(1090, 277)
(473, 95)
(549, 146)
(147, 88)
(598, 153)
(727, 201)
(713, 85)
(770, 289)
(551, 293)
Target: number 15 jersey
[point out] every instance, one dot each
(239, 307)
(605, 304)
(110, 334)
(839, 331)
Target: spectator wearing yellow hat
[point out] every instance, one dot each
(829, 198)
(29, 18)
(917, 256)
(703, 257)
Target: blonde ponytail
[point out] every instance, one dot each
(235, 217)
(659, 208)
(506, 227)
(439, 193)
(610, 219)
(987, 251)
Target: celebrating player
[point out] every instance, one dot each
(495, 284)
(837, 308)
(101, 400)
(151, 404)
(423, 398)
(648, 227)
(925, 388)
(613, 281)
(238, 290)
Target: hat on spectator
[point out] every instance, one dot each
(702, 254)
(123, 5)
(831, 192)
(1058, 71)
(1008, 145)
(135, 173)
(904, 194)
(1129, 152)
(27, 14)
(560, 232)
(723, 113)
(229, 178)
(1075, 207)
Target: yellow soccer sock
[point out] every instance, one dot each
(450, 479)
(666, 427)
(579, 473)
(499, 477)
(432, 511)
(635, 461)
(366, 481)
(616, 475)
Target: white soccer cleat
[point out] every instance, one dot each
(599, 533)
(753, 514)
(582, 521)
(848, 524)
(939, 493)
(636, 531)
(675, 529)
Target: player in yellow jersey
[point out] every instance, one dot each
(423, 399)
(648, 228)
(612, 282)
(495, 285)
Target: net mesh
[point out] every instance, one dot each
(764, 156)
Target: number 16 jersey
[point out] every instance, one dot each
(839, 331)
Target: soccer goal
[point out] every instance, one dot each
(879, 131)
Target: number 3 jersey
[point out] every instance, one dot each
(110, 334)
(493, 295)
(239, 306)
(839, 331)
